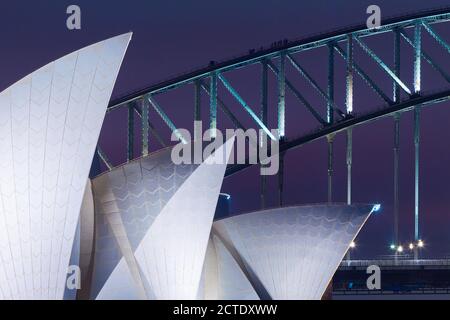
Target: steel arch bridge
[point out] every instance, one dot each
(406, 94)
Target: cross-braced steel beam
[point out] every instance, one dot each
(145, 127)
(150, 126)
(330, 113)
(264, 105)
(330, 139)
(396, 88)
(247, 108)
(428, 18)
(383, 65)
(197, 101)
(437, 37)
(314, 84)
(166, 119)
(330, 84)
(197, 108)
(364, 75)
(281, 180)
(104, 158)
(329, 125)
(349, 76)
(349, 164)
(281, 95)
(213, 104)
(426, 57)
(349, 107)
(130, 145)
(224, 108)
(342, 126)
(417, 56)
(299, 96)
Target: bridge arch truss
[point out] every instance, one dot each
(406, 95)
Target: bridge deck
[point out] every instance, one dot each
(398, 277)
(397, 264)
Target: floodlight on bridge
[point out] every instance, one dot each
(420, 244)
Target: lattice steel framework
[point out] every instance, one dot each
(405, 96)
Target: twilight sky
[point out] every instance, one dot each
(172, 37)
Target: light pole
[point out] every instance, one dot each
(351, 246)
(414, 247)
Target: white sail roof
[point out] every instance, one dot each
(291, 252)
(167, 261)
(49, 126)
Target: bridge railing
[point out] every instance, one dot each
(398, 262)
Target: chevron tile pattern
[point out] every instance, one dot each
(49, 126)
(292, 252)
(134, 194)
(163, 215)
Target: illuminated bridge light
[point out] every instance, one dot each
(226, 195)
(376, 208)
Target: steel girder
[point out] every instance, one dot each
(215, 74)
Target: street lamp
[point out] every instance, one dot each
(400, 249)
(420, 244)
(351, 246)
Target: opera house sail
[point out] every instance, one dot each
(153, 221)
(283, 253)
(49, 126)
